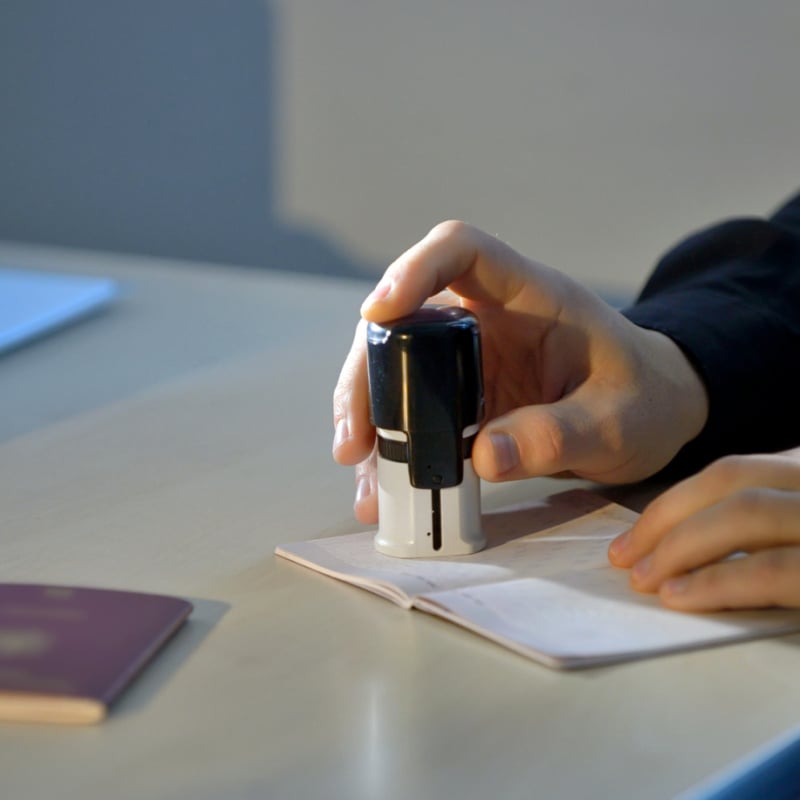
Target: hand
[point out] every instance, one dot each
(743, 505)
(570, 384)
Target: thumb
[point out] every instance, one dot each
(541, 440)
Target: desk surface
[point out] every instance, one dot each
(168, 445)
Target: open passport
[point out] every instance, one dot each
(543, 587)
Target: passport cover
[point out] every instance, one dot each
(66, 653)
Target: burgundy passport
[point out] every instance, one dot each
(66, 653)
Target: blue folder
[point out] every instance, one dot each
(34, 303)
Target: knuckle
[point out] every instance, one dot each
(341, 398)
(341, 401)
(678, 542)
(546, 441)
(453, 229)
(768, 566)
(726, 470)
(611, 431)
(707, 581)
(749, 504)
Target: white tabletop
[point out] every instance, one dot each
(168, 445)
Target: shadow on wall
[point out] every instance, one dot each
(148, 127)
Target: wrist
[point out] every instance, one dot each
(683, 385)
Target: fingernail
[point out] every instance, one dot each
(641, 568)
(676, 585)
(620, 544)
(342, 433)
(363, 489)
(380, 292)
(506, 452)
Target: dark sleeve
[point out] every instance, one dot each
(729, 296)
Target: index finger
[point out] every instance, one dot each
(453, 255)
(721, 479)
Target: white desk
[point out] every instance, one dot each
(168, 445)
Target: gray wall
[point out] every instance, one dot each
(147, 126)
(328, 135)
